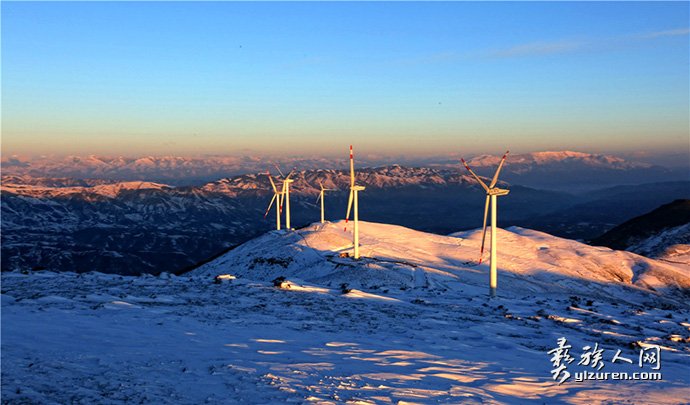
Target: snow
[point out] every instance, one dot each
(416, 327)
(189, 170)
(398, 257)
(550, 157)
(106, 190)
(672, 245)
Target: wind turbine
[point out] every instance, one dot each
(320, 197)
(354, 190)
(286, 196)
(277, 195)
(491, 193)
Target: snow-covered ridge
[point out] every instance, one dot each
(306, 182)
(171, 168)
(111, 190)
(662, 233)
(672, 244)
(561, 157)
(397, 257)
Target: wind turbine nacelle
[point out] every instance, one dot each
(358, 188)
(498, 192)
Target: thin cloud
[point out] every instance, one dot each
(537, 48)
(570, 46)
(534, 49)
(668, 33)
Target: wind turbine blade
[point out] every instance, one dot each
(275, 190)
(475, 176)
(349, 207)
(270, 205)
(279, 171)
(500, 165)
(352, 168)
(290, 174)
(319, 197)
(321, 184)
(486, 213)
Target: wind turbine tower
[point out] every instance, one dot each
(492, 192)
(279, 204)
(354, 190)
(320, 197)
(286, 188)
(286, 198)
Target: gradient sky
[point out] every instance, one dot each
(138, 78)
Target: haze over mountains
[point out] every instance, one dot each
(560, 169)
(134, 226)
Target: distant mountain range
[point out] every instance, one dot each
(576, 171)
(138, 226)
(562, 170)
(135, 227)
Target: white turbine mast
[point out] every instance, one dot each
(286, 196)
(491, 193)
(277, 197)
(354, 190)
(321, 197)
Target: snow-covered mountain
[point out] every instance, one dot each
(135, 227)
(84, 189)
(550, 169)
(531, 262)
(672, 244)
(663, 233)
(176, 170)
(530, 161)
(574, 171)
(409, 323)
(27, 180)
(306, 182)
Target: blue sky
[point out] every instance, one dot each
(139, 78)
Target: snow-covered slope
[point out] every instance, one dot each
(413, 325)
(672, 244)
(106, 190)
(663, 233)
(397, 257)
